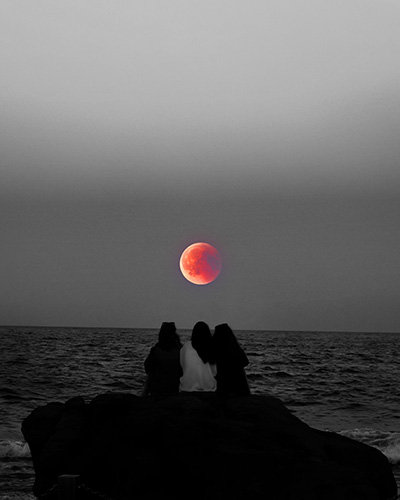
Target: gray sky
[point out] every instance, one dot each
(269, 129)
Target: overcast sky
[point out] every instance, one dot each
(269, 129)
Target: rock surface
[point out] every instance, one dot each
(198, 446)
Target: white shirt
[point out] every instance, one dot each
(197, 376)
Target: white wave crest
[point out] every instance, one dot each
(385, 441)
(11, 448)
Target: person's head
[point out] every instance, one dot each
(201, 341)
(224, 340)
(167, 336)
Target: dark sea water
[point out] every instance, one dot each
(343, 382)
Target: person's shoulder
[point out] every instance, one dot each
(187, 349)
(151, 359)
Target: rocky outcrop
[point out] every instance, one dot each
(199, 446)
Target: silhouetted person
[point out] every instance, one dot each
(231, 360)
(162, 365)
(197, 361)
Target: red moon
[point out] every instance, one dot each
(200, 263)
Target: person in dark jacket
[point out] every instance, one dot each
(162, 365)
(231, 361)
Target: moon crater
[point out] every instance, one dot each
(200, 263)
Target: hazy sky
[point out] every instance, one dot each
(269, 129)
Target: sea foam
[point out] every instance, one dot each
(385, 441)
(12, 448)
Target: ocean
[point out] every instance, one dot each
(342, 382)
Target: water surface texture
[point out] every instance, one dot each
(343, 382)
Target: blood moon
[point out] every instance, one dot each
(200, 263)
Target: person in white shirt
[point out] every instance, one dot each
(197, 361)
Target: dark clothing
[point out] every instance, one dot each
(231, 377)
(164, 370)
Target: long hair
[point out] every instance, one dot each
(168, 337)
(225, 343)
(201, 341)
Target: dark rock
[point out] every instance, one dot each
(199, 446)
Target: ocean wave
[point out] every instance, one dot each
(282, 374)
(385, 441)
(17, 496)
(12, 448)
